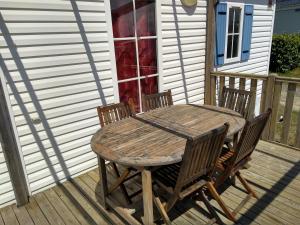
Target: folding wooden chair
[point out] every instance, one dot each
(234, 160)
(158, 100)
(194, 172)
(110, 114)
(237, 100)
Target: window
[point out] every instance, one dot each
(234, 32)
(134, 34)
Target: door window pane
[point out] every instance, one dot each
(135, 48)
(145, 17)
(125, 59)
(149, 85)
(129, 92)
(122, 18)
(147, 56)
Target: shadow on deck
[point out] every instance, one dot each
(274, 174)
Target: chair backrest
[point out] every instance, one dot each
(237, 100)
(158, 100)
(200, 156)
(250, 137)
(114, 112)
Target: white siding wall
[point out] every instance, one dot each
(58, 70)
(261, 42)
(7, 195)
(183, 33)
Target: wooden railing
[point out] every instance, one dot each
(282, 94)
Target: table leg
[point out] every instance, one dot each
(103, 181)
(147, 197)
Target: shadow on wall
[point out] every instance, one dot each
(30, 90)
(180, 49)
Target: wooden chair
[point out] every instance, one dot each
(195, 170)
(110, 114)
(158, 100)
(234, 160)
(237, 100)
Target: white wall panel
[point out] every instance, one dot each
(7, 195)
(58, 69)
(183, 37)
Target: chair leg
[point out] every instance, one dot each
(217, 197)
(211, 210)
(119, 182)
(246, 185)
(161, 210)
(171, 202)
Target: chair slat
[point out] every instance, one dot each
(237, 100)
(159, 100)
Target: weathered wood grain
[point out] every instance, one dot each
(276, 103)
(288, 112)
(136, 143)
(272, 173)
(22, 215)
(158, 100)
(237, 100)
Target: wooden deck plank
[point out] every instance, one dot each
(8, 216)
(48, 209)
(262, 209)
(90, 193)
(22, 215)
(247, 211)
(273, 174)
(35, 213)
(81, 208)
(1, 220)
(61, 208)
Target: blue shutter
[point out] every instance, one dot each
(221, 11)
(247, 32)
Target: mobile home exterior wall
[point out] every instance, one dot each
(59, 65)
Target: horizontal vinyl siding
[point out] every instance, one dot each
(7, 195)
(261, 42)
(183, 37)
(60, 75)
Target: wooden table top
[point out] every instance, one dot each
(136, 142)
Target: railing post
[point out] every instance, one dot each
(209, 57)
(268, 102)
(275, 107)
(10, 149)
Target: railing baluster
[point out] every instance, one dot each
(297, 138)
(242, 84)
(221, 85)
(253, 88)
(263, 97)
(213, 84)
(288, 112)
(231, 82)
(276, 103)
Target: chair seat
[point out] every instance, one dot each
(167, 175)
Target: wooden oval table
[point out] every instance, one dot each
(157, 138)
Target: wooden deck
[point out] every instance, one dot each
(74, 202)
